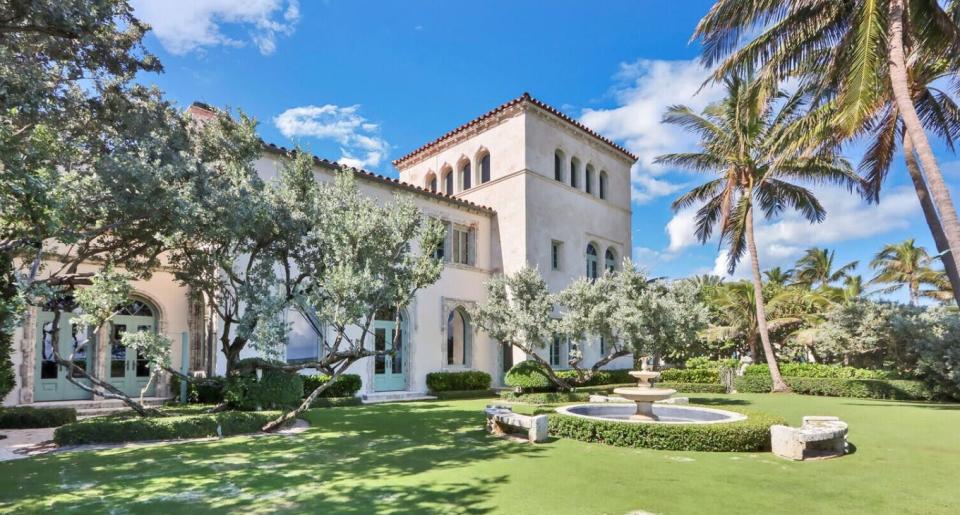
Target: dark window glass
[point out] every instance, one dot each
(555, 352)
(555, 256)
(465, 176)
(588, 182)
(48, 365)
(557, 167)
(380, 344)
(592, 262)
(80, 339)
(603, 185)
(448, 183)
(397, 364)
(118, 353)
(574, 169)
(485, 169)
(610, 261)
(433, 184)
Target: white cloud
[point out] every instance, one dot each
(186, 25)
(782, 241)
(644, 90)
(360, 142)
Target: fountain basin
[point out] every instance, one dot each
(664, 413)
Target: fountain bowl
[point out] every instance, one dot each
(664, 414)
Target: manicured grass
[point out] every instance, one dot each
(434, 457)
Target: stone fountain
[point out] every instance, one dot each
(644, 394)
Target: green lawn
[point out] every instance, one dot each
(434, 457)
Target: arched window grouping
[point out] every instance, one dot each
(592, 265)
(458, 338)
(592, 182)
(462, 174)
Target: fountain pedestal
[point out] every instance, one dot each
(644, 394)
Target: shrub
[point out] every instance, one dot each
(209, 391)
(458, 381)
(275, 390)
(819, 370)
(601, 377)
(707, 363)
(346, 385)
(529, 376)
(28, 417)
(694, 387)
(546, 397)
(691, 375)
(749, 435)
(118, 429)
(897, 389)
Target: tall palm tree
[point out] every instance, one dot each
(855, 53)
(741, 147)
(815, 268)
(779, 277)
(853, 287)
(906, 265)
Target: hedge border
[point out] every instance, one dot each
(30, 417)
(127, 428)
(750, 435)
(884, 389)
(693, 387)
(464, 380)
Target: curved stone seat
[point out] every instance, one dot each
(817, 437)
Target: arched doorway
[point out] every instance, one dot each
(459, 342)
(389, 372)
(127, 370)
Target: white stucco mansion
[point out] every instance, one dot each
(521, 184)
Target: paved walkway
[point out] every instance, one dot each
(24, 443)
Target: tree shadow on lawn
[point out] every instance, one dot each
(719, 401)
(355, 460)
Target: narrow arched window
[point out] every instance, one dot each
(465, 177)
(610, 260)
(592, 269)
(457, 338)
(432, 183)
(602, 190)
(485, 168)
(558, 166)
(574, 171)
(448, 182)
(588, 180)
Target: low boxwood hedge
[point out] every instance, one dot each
(546, 397)
(274, 390)
(897, 389)
(119, 429)
(690, 375)
(346, 385)
(693, 387)
(458, 381)
(29, 417)
(749, 435)
(820, 370)
(529, 376)
(206, 391)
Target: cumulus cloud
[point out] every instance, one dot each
(183, 26)
(361, 144)
(780, 242)
(643, 90)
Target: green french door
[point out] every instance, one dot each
(51, 382)
(388, 371)
(127, 369)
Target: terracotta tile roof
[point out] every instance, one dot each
(499, 109)
(205, 111)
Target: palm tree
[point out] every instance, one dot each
(815, 268)
(907, 265)
(854, 53)
(741, 146)
(853, 287)
(778, 276)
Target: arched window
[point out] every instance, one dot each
(432, 182)
(485, 168)
(588, 180)
(610, 260)
(458, 338)
(465, 177)
(602, 189)
(574, 171)
(448, 182)
(558, 165)
(592, 270)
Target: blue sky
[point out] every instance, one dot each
(365, 82)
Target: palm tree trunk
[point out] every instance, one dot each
(930, 214)
(900, 84)
(778, 384)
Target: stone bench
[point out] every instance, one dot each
(817, 437)
(501, 420)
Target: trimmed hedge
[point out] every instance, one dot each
(346, 385)
(694, 387)
(119, 429)
(690, 375)
(464, 394)
(546, 397)
(601, 377)
(749, 435)
(275, 390)
(529, 376)
(819, 370)
(28, 417)
(896, 389)
(336, 402)
(458, 381)
(209, 391)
